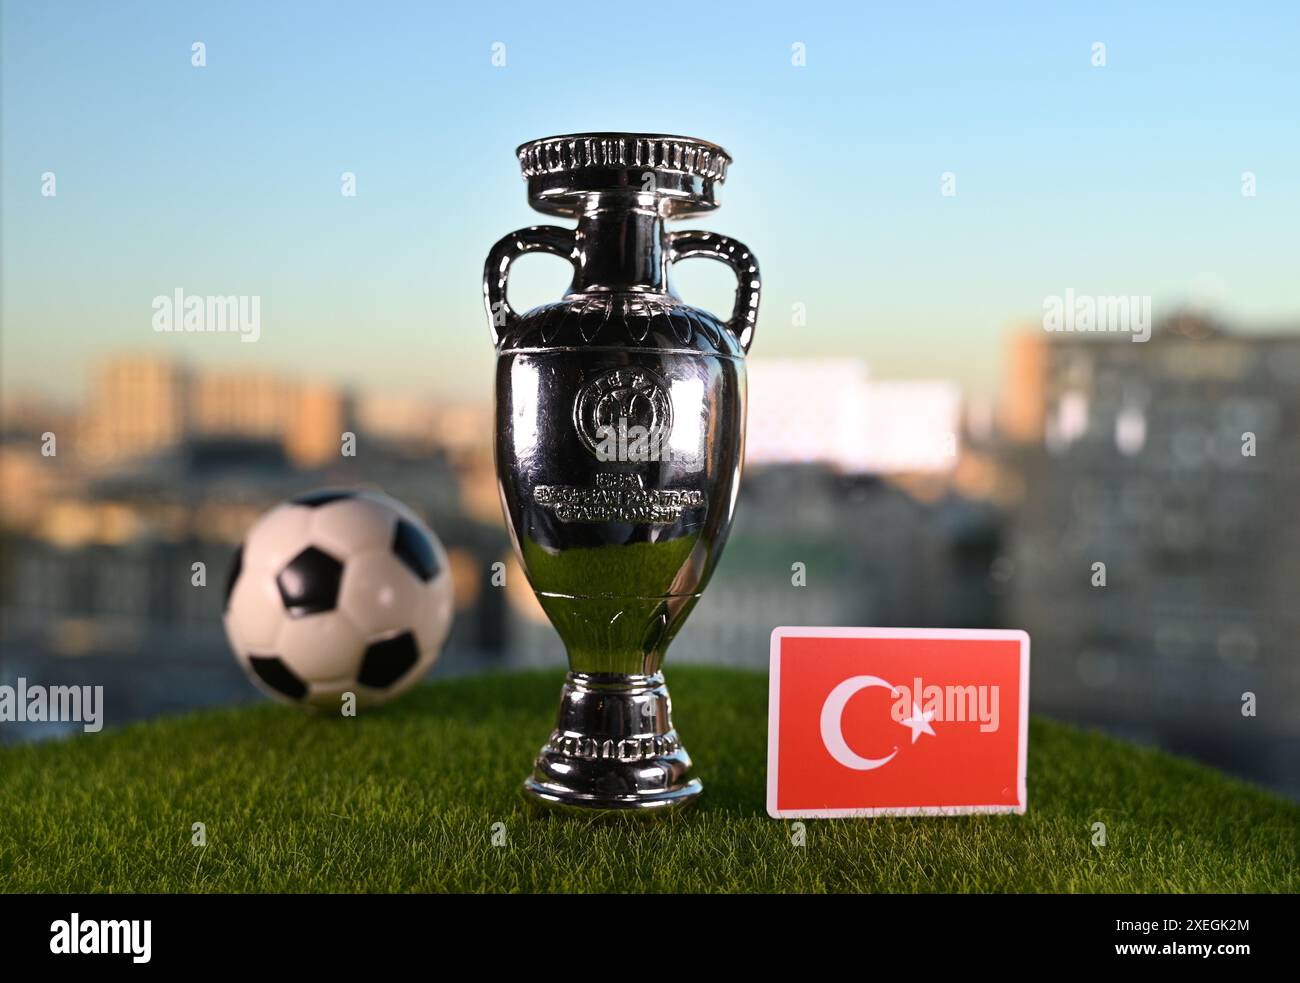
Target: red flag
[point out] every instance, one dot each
(897, 722)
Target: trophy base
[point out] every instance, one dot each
(546, 798)
(613, 750)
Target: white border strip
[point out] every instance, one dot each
(940, 634)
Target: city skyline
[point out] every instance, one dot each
(133, 404)
(1162, 466)
(229, 178)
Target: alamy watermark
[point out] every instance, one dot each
(77, 936)
(1098, 313)
(635, 443)
(23, 704)
(950, 703)
(239, 314)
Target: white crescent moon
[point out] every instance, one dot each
(833, 723)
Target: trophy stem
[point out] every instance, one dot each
(614, 749)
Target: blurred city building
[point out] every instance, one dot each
(143, 404)
(831, 412)
(137, 405)
(1176, 464)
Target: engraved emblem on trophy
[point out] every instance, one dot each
(616, 403)
(620, 415)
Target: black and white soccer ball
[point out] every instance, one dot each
(338, 592)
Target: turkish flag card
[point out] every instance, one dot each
(897, 722)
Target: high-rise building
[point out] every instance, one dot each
(141, 405)
(829, 411)
(239, 403)
(137, 406)
(315, 426)
(1023, 400)
(1156, 553)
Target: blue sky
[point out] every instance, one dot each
(226, 179)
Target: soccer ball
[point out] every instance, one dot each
(338, 592)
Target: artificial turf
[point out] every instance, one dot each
(423, 796)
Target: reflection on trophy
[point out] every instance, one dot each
(620, 416)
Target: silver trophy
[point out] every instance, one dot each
(620, 430)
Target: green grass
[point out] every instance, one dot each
(405, 799)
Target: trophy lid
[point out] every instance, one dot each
(680, 172)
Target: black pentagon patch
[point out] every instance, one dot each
(272, 671)
(415, 550)
(309, 583)
(315, 499)
(388, 661)
(236, 567)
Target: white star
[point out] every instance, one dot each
(919, 722)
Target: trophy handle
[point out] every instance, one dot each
(496, 271)
(710, 245)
